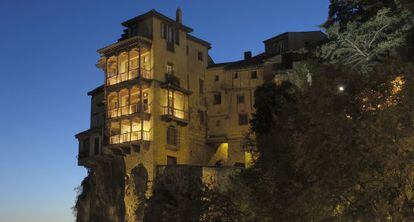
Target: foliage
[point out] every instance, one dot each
(362, 46)
(331, 155)
(342, 12)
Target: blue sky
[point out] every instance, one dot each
(47, 59)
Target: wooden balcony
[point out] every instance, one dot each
(172, 114)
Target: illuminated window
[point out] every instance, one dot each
(133, 60)
(125, 131)
(123, 63)
(243, 119)
(172, 136)
(217, 98)
(170, 68)
(113, 105)
(134, 95)
(111, 67)
(124, 101)
(114, 131)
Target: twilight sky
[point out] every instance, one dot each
(47, 59)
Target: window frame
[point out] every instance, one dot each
(245, 120)
(217, 100)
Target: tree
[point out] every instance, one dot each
(362, 46)
(343, 12)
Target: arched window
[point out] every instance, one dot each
(134, 95)
(133, 64)
(111, 66)
(124, 101)
(123, 63)
(136, 129)
(133, 59)
(125, 131)
(113, 104)
(114, 132)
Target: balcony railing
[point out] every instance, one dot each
(129, 110)
(130, 137)
(132, 74)
(176, 113)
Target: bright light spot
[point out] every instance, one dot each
(341, 88)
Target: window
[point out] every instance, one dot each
(172, 136)
(253, 75)
(187, 50)
(201, 86)
(216, 78)
(243, 119)
(217, 98)
(240, 99)
(236, 75)
(123, 63)
(171, 160)
(218, 123)
(201, 117)
(170, 68)
(96, 146)
(86, 145)
(200, 56)
(171, 34)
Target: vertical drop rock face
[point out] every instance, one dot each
(102, 195)
(135, 193)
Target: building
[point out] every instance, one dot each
(230, 88)
(164, 103)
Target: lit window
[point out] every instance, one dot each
(243, 119)
(170, 68)
(114, 131)
(123, 63)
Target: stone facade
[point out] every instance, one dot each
(166, 107)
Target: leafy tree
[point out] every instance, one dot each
(343, 12)
(362, 46)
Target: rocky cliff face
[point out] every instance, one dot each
(114, 190)
(120, 188)
(102, 195)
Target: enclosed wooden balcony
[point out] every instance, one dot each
(174, 114)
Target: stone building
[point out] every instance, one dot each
(165, 104)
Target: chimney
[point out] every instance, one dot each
(179, 16)
(247, 55)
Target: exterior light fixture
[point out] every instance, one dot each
(341, 88)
